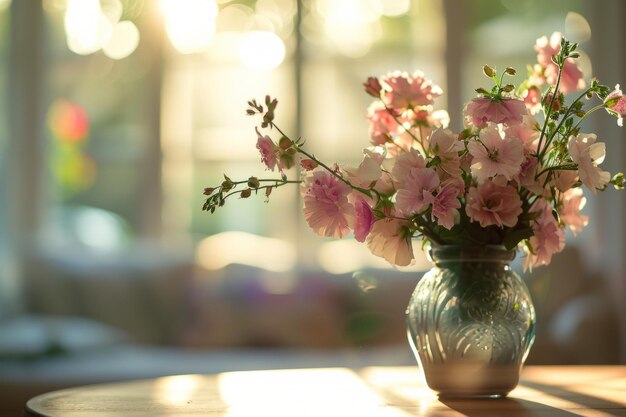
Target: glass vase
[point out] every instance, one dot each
(471, 322)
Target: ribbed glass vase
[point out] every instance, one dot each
(471, 322)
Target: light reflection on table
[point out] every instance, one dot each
(377, 391)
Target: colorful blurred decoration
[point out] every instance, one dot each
(68, 121)
(72, 168)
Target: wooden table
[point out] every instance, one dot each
(378, 391)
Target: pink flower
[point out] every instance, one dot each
(446, 205)
(495, 155)
(326, 207)
(571, 77)
(364, 219)
(368, 171)
(445, 146)
(404, 163)
(385, 184)
(372, 87)
(588, 155)
(547, 239)
(391, 239)
(616, 103)
(563, 179)
(269, 151)
(416, 194)
(482, 110)
(425, 119)
(527, 174)
(491, 204)
(528, 132)
(408, 91)
(572, 202)
(382, 124)
(532, 99)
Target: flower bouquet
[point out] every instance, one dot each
(509, 181)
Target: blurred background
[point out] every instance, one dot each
(115, 114)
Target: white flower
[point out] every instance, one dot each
(588, 154)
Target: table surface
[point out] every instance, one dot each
(378, 391)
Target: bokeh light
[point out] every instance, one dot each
(222, 249)
(395, 8)
(190, 24)
(112, 9)
(576, 27)
(86, 26)
(4, 4)
(352, 26)
(123, 41)
(261, 50)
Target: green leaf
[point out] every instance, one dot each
(513, 237)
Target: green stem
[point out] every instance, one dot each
(557, 167)
(323, 165)
(415, 138)
(563, 119)
(598, 107)
(339, 177)
(545, 123)
(279, 183)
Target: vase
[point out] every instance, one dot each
(471, 322)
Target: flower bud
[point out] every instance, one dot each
(227, 185)
(308, 164)
(285, 143)
(574, 55)
(287, 159)
(253, 182)
(508, 88)
(488, 71)
(510, 71)
(618, 181)
(612, 101)
(245, 193)
(208, 190)
(373, 87)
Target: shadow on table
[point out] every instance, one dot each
(499, 407)
(584, 400)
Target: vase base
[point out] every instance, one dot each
(457, 380)
(466, 396)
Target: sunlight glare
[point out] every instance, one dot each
(351, 25)
(86, 27)
(190, 24)
(177, 390)
(112, 9)
(331, 391)
(222, 249)
(4, 4)
(123, 41)
(261, 51)
(346, 256)
(395, 8)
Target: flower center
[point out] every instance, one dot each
(493, 155)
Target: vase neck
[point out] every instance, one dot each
(484, 254)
